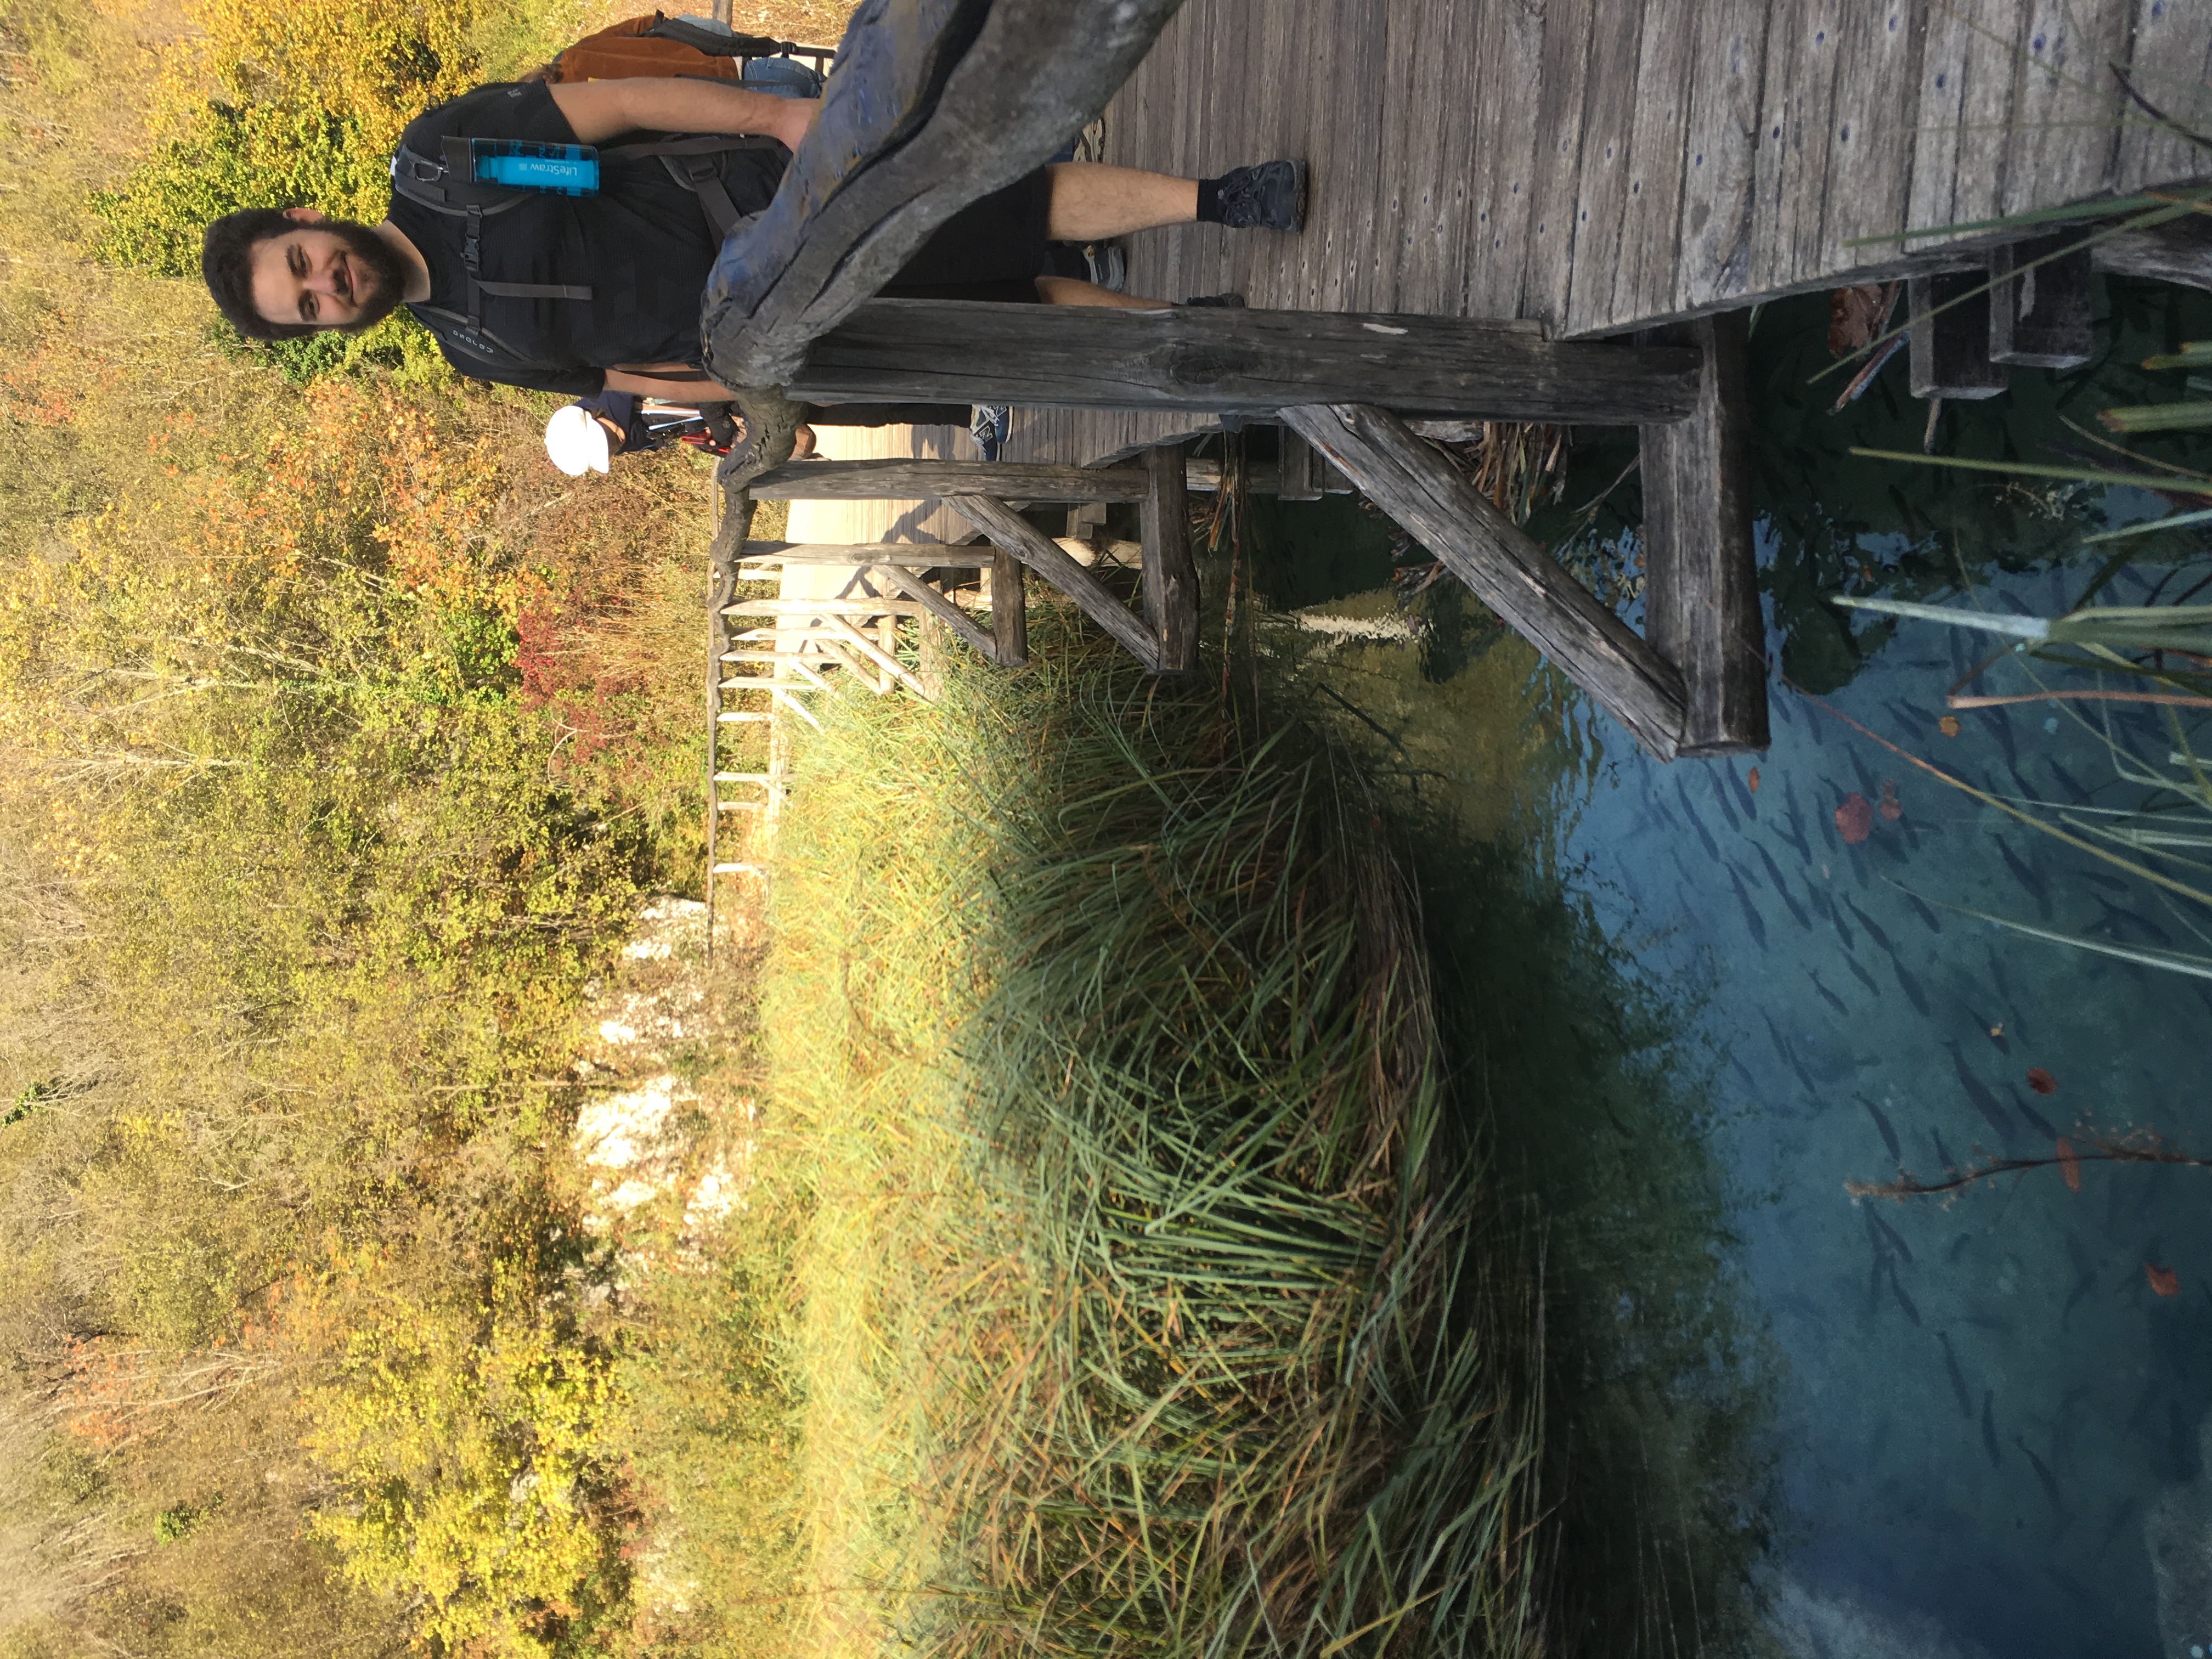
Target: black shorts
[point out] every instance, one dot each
(993, 249)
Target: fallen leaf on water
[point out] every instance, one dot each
(2164, 1281)
(1752, 782)
(2069, 1165)
(1855, 818)
(1890, 809)
(1854, 317)
(1948, 726)
(2041, 1081)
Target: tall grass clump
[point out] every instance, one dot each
(1147, 1306)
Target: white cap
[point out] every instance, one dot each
(575, 442)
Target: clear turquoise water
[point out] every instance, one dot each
(1695, 1011)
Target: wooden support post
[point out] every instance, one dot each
(2179, 251)
(1226, 360)
(2039, 318)
(899, 480)
(1170, 576)
(941, 608)
(1007, 529)
(1301, 469)
(1701, 581)
(1950, 349)
(1010, 609)
(1512, 574)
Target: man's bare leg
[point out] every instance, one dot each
(1091, 201)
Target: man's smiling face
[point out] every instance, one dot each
(326, 273)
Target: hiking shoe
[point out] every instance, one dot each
(1110, 266)
(1269, 196)
(1223, 301)
(988, 425)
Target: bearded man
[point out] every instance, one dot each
(601, 292)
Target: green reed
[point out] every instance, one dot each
(1151, 1308)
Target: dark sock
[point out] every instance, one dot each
(1209, 201)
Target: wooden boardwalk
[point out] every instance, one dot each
(1599, 164)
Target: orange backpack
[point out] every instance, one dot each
(655, 46)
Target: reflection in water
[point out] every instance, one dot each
(1697, 1008)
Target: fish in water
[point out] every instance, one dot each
(2164, 1281)
(2036, 1121)
(1888, 1140)
(1957, 1247)
(2003, 727)
(2099, 878)
(1862, 976)
(1712, 847)
(1997, 1030)
(2069, 1165)
(2116, 921)
(1871, 931)
(1751, 919)
(1728, 807)
(1908, 720)
(1990, 1428)
(1826, 907)
(2067, 778)
(1904, 1301)
(1781, 887)
(2043, 1475)
(1910, 986)
(1853, 819)
(1833, 1000)
(1943, 1151)
(1958, 1377)
(1983, 1100)
(1742, 1070)
(1987, 1322)
(2037, 889)
(1891, 1236)
(1796, 827)
(1920, 907)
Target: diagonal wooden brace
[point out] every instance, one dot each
(1009, 530)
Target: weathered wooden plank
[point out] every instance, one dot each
(1720, 174)
(1968, 78)
(922, 556)
(1600, 199)
(1298, 476)
(1170, 575)
(1803, 45)
(1510, 53)
(927, 599)
(896, 480)
(2179, 251)
(1010, 609)
(1949, 350)
(1424, 180)
(1870, 129)
(935, 104)
(1701, 578)
(1643, 272)
(1255, 362)
(2040, 318)
(2169, 62)
(1007, 529)
(1482, 547)
(1549, 240)
(2066, 102)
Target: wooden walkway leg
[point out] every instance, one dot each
(1170, 577)
(1415, 485)
(1007, 529)
(1701, 581)
(1950, 351)
(2040, 318)
(1010, 609)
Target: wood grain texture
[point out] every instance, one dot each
(2177, 251)
(1171, 575)
(1011, 531)
(1411, 481)
(2040, 314)
(1010, 609)
(1720, 148)
(1949, 349)
(1255, 362)
(1701, 592)
(2170, 64)
(921, 555)
(1600, 199)
(848, 481)
(1643, 271)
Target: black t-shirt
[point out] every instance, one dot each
(642, 244)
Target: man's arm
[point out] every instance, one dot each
(694, 389)
(600, 110)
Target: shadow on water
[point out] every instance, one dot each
(1685, 1011)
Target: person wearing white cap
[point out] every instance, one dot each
(579, 441)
